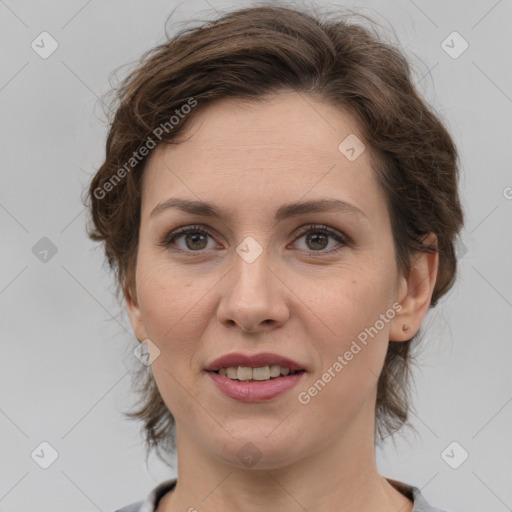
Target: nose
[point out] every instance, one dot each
(254, 298)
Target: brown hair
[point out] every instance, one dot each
(253, 52)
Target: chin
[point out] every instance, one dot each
(257, 450)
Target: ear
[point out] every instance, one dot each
(415, 292)
(135, 315)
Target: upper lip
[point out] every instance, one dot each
(253, 361)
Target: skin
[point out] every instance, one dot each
(297, 299)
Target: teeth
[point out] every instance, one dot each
(275, 370)
(232, 373)
(244, 373)
(261, 373)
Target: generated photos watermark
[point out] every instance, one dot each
(304, 397)
(144, 150)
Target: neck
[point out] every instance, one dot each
(341, 475)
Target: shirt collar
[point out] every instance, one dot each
(413, 493)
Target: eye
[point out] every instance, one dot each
(196, 238)
(316, 237)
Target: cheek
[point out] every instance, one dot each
(172, 309)
(357, 313)
(353, 300)
(346, 381)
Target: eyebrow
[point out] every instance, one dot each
(284, 212)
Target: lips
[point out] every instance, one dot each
(252, 361)
(252, 391)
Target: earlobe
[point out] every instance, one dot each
(415, 293)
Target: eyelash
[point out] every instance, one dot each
(315, 228)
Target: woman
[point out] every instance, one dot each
(280, 207)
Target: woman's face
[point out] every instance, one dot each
(255, 284)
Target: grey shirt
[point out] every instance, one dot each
(151, 502)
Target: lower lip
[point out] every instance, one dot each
(255, 391)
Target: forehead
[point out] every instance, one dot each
(281, 122)
(281, 149)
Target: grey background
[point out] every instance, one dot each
(66, 347)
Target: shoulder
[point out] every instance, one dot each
(133, 507)
(421, 504)
(150, 503)
(414, 494)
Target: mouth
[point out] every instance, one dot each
(255, 377)
(259, 374)
(256, 384)
(260, 364)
